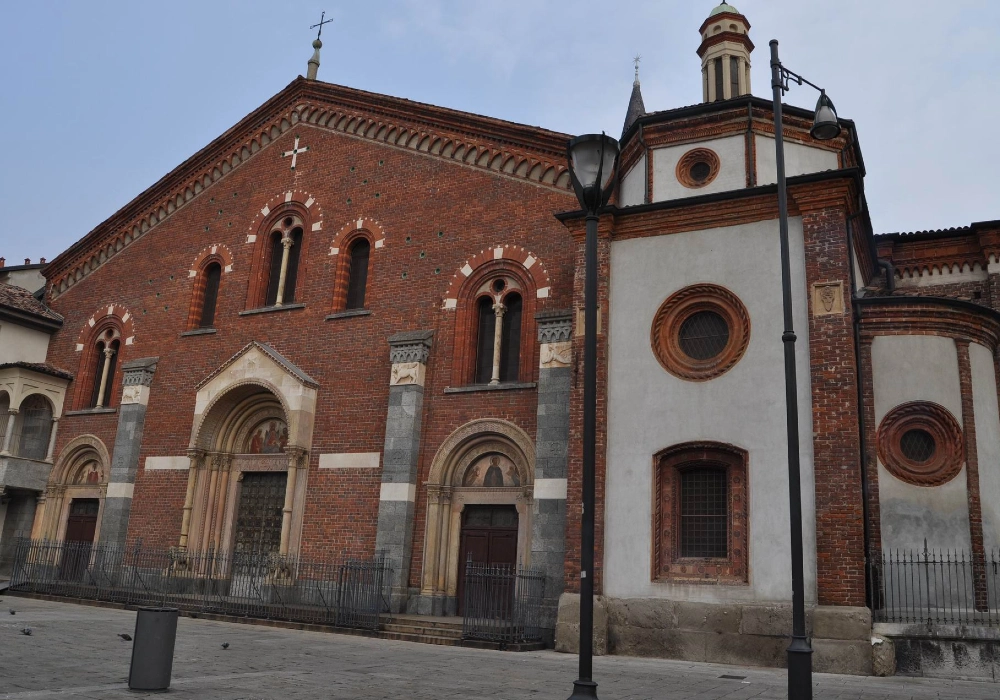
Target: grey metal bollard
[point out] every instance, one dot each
(153, 649)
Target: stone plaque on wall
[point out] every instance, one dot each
(828, 298)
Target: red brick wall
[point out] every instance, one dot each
(413, 196)
(840, 566)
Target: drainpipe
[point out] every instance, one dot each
(865, 489)
(890, 274)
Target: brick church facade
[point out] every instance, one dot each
(366, 314)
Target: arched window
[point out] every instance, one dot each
(719, 81)
(102, 372)
(484, 343)
(700, 520)
(36, 426)
(357, 279)
(284, 247)
(498, 341)
(210, 295)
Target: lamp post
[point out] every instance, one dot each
(825, 127)
(592, 165)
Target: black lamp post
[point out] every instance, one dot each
(825, 127)
(592, 165)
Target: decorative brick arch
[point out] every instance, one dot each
(112, 316)
(513, 253)
(297, 202)
(216, 252)
(368, 226)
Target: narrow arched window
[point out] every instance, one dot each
(484, 344)
(734, 76)
(510, 346)
(357, 278)
(36, 426)
(277, 251)
(213, 274)
(103, 369)
(284, 251)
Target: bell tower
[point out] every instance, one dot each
(725, 54)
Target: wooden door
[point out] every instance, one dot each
(80, 528)
(489, 536)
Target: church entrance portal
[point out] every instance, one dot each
(258, 518)
(489, 536)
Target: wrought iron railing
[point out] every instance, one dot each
(351, 593)
(936, 587)
(502, 604)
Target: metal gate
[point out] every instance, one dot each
(502, 604)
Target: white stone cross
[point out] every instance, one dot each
(294, 153)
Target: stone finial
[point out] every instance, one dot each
(314, 61)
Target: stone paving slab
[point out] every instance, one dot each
(74, 652)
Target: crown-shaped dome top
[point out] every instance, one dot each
(724, 7)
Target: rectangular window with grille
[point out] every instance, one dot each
(704, 516)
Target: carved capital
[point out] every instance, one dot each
(412, 346)
(554, 326)
(139, 372)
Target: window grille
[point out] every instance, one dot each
(704, 513)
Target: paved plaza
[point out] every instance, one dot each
(74, 652)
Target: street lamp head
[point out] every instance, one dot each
(592, 165)
(826, 126)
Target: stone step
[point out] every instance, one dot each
(422, 638)
(417, 629)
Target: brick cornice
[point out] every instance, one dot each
(723, 37)
(512, 150)
(949, 318)
(823, 195)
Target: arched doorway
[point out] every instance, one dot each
(74, 497)
(247, 491)
(479, 502)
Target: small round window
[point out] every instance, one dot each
(700, 332)
(704, 335)
(918, 445)
(921, 443)
(698, 168)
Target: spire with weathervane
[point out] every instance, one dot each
(317, 45)
(636, 108)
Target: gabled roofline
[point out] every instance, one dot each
(509, 149)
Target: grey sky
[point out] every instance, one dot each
(103, 98)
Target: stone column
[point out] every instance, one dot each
(195, 456)
(408, 353)
(9, 433)
(286, 245)
(294, 459)
(138, 375)
(51, 450)
(498, 309)
(548, 530)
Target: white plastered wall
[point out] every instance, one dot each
(650, 409)
(799, 160)
(919, 368)
(984, 397)
(633, 189)
(732, 168)
(20, 344)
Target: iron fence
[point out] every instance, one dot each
(351, 593)
(936, 587)
(502, 604)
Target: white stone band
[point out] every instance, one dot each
(398, 492)
(550, 489)
(350, 460)
(178, 462)
(118, 490)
